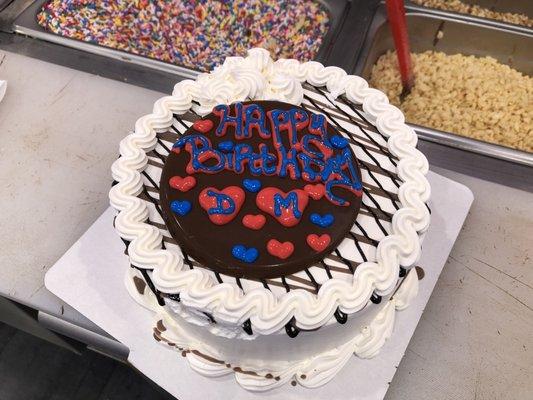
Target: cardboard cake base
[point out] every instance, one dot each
(90, 278)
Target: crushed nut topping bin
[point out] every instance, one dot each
(472, 96)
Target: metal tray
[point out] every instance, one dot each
(513, 6)
(460, 36)
(4, 4)
(26, 24)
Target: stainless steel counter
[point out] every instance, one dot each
(60, 130)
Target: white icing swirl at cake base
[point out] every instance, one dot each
(206, 358)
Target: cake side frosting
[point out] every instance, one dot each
(210, 356)
(257, 77)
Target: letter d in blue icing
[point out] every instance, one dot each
(222, 200)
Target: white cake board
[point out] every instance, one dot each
(90, 277)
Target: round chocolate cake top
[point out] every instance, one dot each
(260, 189)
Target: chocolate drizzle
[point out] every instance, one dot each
(291, 328)
(140, 284)
(247, 327)
(175, 297)
(150, 284)
(341, 317)
(375, 298)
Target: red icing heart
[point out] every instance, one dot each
(254, 222)
(230, 197)
(265, 200)
(280, 250)
(182, 184)
(318, 243)
(203, 125)
(315, 191)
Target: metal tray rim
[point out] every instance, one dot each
(108, 52)
(444, 137)
(467, 17)
(477, 146)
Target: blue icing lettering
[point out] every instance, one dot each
(201, 154)
(308, 173)
(221, 199)
(336, 165)
(286, 202)
(229, 160)
(244, 153)
(192, 140)
(252, 121)
(289, 161)
(226, 145)
(281, 121)
(268, 160)
(298, 120)
(227, 120)
(318, 126)
(312, 157)
(306, 144)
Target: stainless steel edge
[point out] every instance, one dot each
(409, 6)
(99, 343)
(11, 12)
(110, 53)
(476, 146)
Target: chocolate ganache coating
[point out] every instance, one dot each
(260, 189)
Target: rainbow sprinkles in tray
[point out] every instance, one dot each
(273, 213)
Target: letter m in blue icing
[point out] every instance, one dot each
(222, 199)
(286, 202)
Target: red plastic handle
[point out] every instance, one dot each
(398, 25)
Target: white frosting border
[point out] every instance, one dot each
(258, 77)
(311, 372)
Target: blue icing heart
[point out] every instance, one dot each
(252, 185)
(339, 142)
(226, 146)
(322, 220)
(242, 253)
(181, 207)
